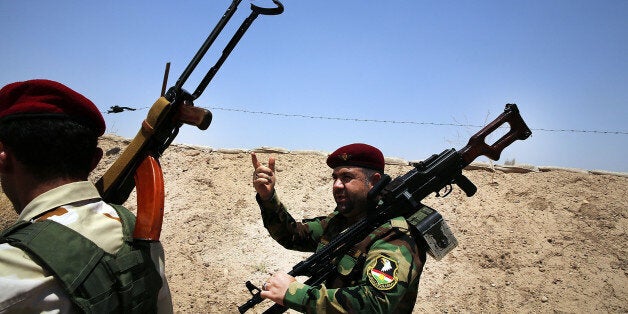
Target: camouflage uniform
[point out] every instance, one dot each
(27, 287)
(380, 274)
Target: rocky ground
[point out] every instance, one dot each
(533, 239)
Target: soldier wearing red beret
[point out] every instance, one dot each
(54, 258)
(382, 276)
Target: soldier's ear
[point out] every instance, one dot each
(7, 159)
(4, 158)
(375, 178)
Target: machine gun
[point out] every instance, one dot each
(402, 197)
(138, 165)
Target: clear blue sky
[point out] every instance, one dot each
(563, 62)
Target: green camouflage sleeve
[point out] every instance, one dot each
(389, 283)
(293, 235)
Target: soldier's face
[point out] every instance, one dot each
(350, 189)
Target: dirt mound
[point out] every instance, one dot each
(530, 241)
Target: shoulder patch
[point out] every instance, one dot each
(383, 273)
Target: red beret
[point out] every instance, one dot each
(45, 98)
(359, 155)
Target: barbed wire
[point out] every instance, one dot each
(402, 122)
(292, 115)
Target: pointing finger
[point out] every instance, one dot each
(256, 163)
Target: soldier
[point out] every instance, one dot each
(382, 273)
(69, 251)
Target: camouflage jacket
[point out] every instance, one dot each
(380, 274)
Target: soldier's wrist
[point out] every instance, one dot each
(267, 198)
(296, 296)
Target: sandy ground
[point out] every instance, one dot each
(549, 240)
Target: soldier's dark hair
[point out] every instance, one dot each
(51, 147)
(368, 173)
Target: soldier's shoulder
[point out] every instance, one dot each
(16, 263)
(399, 223)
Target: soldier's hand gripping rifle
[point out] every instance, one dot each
(138, 166)
(403, 196)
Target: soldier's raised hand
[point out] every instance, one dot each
(264, 177)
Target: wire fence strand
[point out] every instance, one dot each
(289, 115)
(304, 116)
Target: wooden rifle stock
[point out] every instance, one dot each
(477, 143)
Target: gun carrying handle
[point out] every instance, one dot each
(477, 143)
(149, 182)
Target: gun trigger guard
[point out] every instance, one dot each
(445, 191)
(268, 11)
(448, 190)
